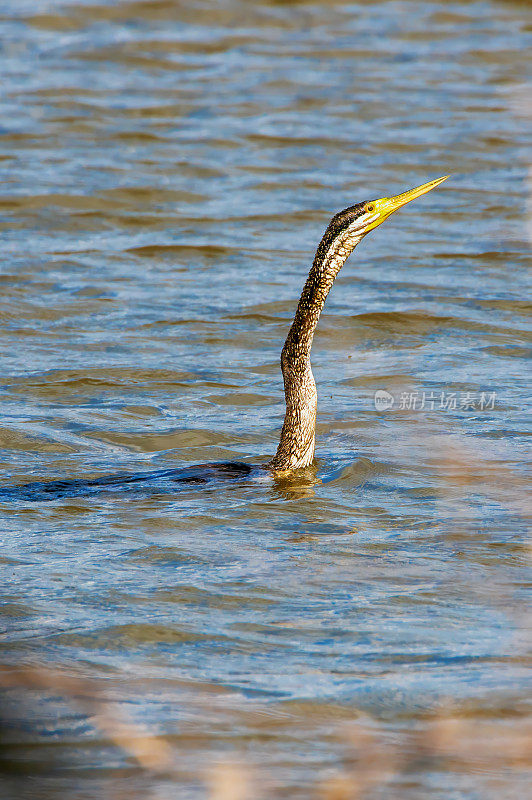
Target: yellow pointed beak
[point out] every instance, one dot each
(387, 205)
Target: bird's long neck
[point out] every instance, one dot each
(296, 447)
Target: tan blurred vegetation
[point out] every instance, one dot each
(494, 751)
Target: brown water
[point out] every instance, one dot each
(168, 169)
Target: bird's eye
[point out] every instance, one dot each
(370, 207)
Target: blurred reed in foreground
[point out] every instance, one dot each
(377, 761)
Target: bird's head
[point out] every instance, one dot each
(349, 226)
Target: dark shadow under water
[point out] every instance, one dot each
(169, 479)
(300, 483)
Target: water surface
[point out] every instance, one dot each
(168, 170)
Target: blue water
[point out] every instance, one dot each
(168, 170)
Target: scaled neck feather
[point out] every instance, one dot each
(296, 446)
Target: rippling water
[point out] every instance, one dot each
(168, 169)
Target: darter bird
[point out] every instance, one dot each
(297, 442)
(344, 232)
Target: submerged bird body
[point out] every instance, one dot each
(297, 442)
